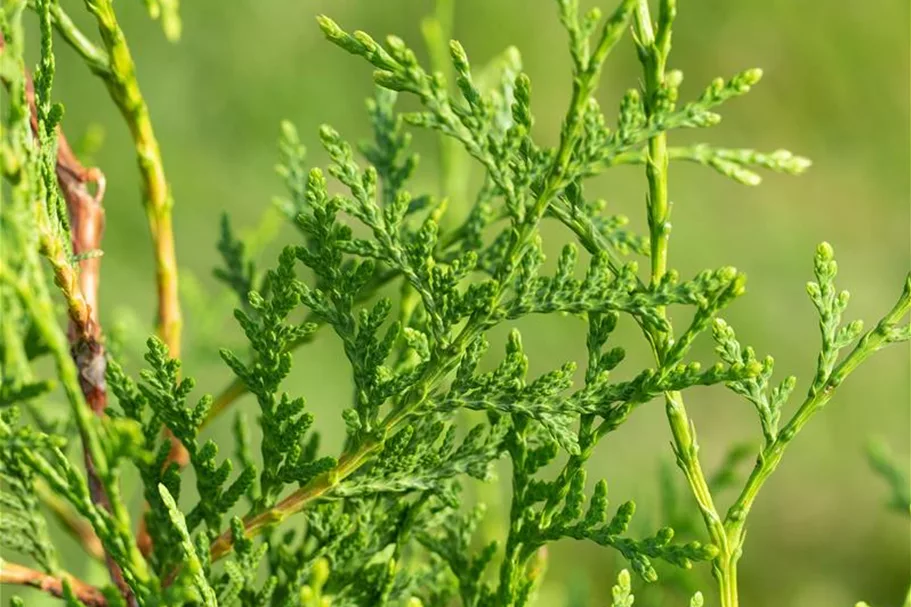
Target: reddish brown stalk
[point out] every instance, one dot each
(117, 70)
(11, 573)
(86, 227)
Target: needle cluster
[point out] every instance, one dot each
(413, 292)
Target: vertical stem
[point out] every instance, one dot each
(120, 78)
(653, 50)
(124, 90)
(727, 583)
(437, 31)
(511, 566)
(658, 204)
(80, 288)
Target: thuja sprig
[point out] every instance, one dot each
(239, 270)
(45, 456)
(192, 565)
(113, 62)
(399, 70)
(728, 532)
(286, 458)
(831, 371)
(158, 402)
(384, 523)
(23, 528)
(395, 165)
(525, 223)
(37, 224)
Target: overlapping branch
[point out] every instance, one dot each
(115, 65)
(80, 288)
(86, 215)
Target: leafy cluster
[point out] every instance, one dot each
(415, 293)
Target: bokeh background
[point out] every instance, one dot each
(836, 89)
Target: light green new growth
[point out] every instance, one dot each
(622, 593)
(884, 464)
(387, 520)
(191, 563)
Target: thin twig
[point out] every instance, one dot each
(11, 573)
(654, 42)
(80, 529)
(119, 75)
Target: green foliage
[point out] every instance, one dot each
(286, 457)
(623, 595)
(239, 272)
(386, 521)
(159, 402)
(192, 566)
(166, 11)
(884, 464)
(22, 527)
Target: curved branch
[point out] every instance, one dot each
(119, 75)
(95, 58)
(11, 573)
(80, 289)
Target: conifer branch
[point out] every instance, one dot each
(119, 75)
(886, 331)
(734, 163)
(95, 58)
(78, 285)
(80, 290)
(236, 387)
(123, 86)
(385, 522)
(653, 41)
(554, 181)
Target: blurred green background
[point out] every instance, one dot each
(836, 89)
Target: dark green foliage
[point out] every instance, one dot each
(159, 402)
(238, 272)
(22, 528)
(287, 456)
(387, 522)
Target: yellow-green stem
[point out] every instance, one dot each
(437, 31)
(120, 79)
(771, 455)
(653, 52)
(123, 86)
